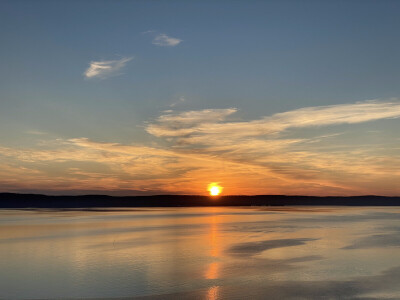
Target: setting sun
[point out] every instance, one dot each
(214, 189)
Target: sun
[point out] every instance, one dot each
(214, 188)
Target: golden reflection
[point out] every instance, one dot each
(213, 269)
(212, 293)
(213, 237)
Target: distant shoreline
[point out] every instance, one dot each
(13, 200)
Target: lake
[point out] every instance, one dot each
(201, 253)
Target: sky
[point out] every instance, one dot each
(165, 97)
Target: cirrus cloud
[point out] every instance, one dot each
(262, 156)
(212, 125)
(164, 40)
(106, 68)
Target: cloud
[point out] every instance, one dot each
(106, 68)
(179, 101)
(212, 123)
(35, 132)
(186, 123)
(194, 148)
(258, 141)
(264, 143)
(148, 31)
(164, 40)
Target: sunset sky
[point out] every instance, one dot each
(166, 97)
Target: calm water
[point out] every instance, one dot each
(201, 253)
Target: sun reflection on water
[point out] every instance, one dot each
(213, 268)
(212, 293)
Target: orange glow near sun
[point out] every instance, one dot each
(214, 189)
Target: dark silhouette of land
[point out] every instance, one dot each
(11, 200)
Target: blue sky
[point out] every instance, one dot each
(197, 59)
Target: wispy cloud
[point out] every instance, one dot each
(164, 40)
(148, 31)
(179, 101)
(263, 143)
(184, 124)
(106, 68)
(36, 132)
(212, 123)
(247, 157)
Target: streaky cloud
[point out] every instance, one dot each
(241, 154)
(164, 40)
(36, 132)
(179, 101)
(106, 68)
(188, 124)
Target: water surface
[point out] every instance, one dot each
(201, 253)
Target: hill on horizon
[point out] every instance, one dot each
(16, 200)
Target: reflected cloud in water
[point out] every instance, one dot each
(252, 248)
(376, 241)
